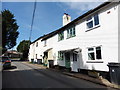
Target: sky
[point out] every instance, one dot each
(48, 16)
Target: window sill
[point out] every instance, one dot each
(92, 28)
(94, 61)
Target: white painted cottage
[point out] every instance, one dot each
(89, 42)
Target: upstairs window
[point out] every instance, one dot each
(37, 44)
(89, 22)
(71, 32)
(92, 21)
(61, 36)
(60, 55)
(45, 43)
(96, 20)
(94, 53)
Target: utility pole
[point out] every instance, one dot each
(32, 22)
(32, 25)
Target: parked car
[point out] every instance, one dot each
(6, 62)
(1, 66)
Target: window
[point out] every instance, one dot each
(94, 53)
(92, 21)
(89, 22)
(71, 32)
(61, 36)
(98, 53)
(74, 57)
(60, 55)
(45, 43)
(91, 54)
(37, 44)
(36, 56)
(96, 20)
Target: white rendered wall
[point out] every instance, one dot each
(36, 50)
(105, 35)
(31, 52)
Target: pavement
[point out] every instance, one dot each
(99, 80)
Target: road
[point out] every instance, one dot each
(25, 76)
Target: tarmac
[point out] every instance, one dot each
(100, 80)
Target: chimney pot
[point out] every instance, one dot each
(66, 19)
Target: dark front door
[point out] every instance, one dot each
(67, 60)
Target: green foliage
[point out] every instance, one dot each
(23, 47)
(9, 30)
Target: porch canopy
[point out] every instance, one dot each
(49, 54)
(73, 49)
(48, 49)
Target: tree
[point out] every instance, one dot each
(9, 30)
(23, 47)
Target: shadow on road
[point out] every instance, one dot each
(12, 67)
(42, 78)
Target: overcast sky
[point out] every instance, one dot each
(48, 15)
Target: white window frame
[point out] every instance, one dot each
(93, 20)
(88, 21)
(60, 55)
(94, 50)
(59, 37)
(69, 30)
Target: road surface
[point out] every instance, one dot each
(25, 76)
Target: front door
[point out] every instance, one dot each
(67, 60)
(45, 58)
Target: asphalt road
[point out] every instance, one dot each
(24, 76)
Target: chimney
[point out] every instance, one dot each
(66, 19)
